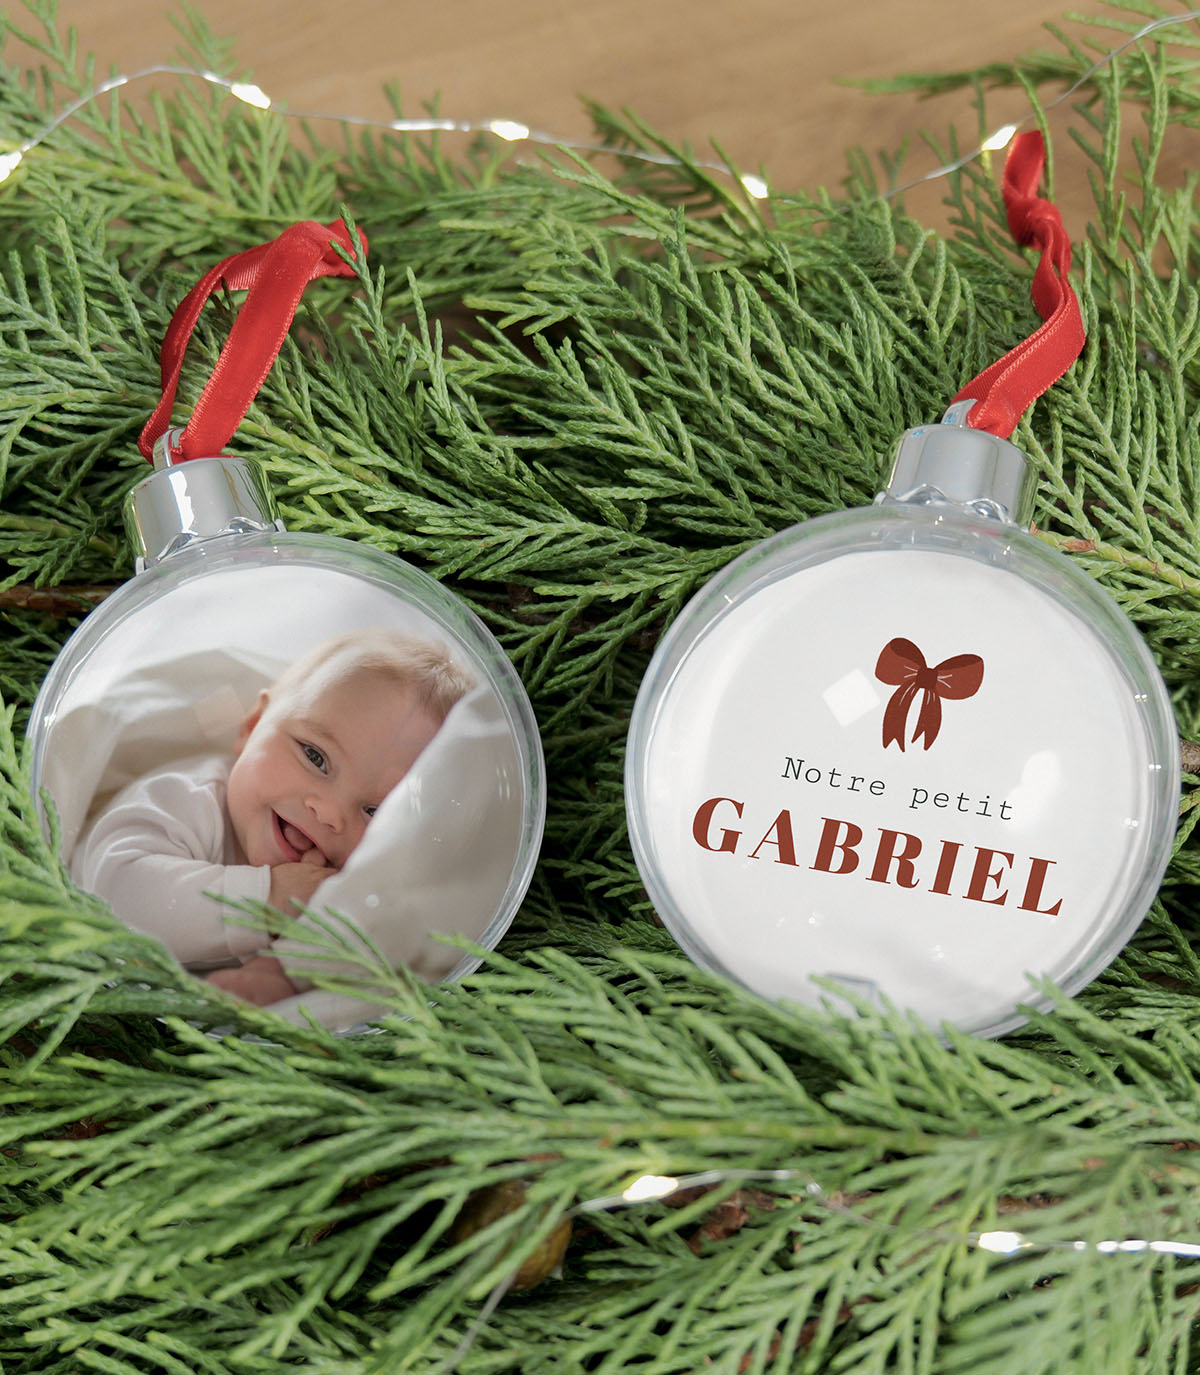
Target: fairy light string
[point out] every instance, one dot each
(651, 1188)
(507, 130)
(516, 131)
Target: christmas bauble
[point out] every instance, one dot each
(282, 726)
(906, 753)
(171, 673)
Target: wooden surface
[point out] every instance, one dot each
(761, 77)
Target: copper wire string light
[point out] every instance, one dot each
(516, 131)
(651, 1188)
(648, 1189)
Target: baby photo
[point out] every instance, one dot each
(313, 762)
(302, 739)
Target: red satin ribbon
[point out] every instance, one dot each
(902, 665)
(1011, 385)
(275, 275)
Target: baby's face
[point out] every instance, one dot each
(313, 767)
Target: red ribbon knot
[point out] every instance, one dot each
(902, 666)
(275, 275)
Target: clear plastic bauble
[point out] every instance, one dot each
(906, 752)
(169, 667)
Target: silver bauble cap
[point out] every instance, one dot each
(949, 462)
(184, 502)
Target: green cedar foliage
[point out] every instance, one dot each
(572, 391)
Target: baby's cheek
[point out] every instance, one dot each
(352, 835)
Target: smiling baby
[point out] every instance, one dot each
(322, 748)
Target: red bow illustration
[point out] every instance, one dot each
(902, 665)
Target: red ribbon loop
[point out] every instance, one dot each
(902, 665)
(1004, 391)
(275, 275)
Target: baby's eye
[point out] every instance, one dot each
(369, 812)
(314, 756)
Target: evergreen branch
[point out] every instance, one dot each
(574, 397)
(65, 600)
(1109, 553)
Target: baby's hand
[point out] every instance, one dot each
(260, 980)
(292, 884)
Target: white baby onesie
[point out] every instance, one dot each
(158, 850)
